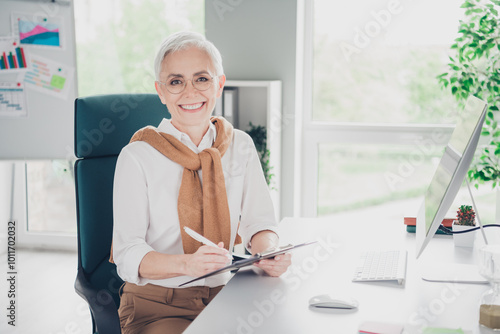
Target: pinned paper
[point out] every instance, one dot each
(38, 30)
(49, 77)
(13, 56)
(12, 99)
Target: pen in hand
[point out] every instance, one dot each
(198, 237)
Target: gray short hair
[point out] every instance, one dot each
(183, 40)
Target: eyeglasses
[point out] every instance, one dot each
(177, 85)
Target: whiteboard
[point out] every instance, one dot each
(45, 131)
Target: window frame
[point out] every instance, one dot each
(314, 133)
(24, 237)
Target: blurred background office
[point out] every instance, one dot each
(364, 119)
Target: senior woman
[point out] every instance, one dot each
(193, 170)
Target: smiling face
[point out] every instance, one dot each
(191, 108)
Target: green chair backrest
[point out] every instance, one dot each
(103, 126)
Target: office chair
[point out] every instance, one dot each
(103, 126)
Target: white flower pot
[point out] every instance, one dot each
(463, 239)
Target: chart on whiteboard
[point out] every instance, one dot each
(12, 99)
(38, 30)
(49, 77)
(13, 57)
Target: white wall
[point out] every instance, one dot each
(258, 41)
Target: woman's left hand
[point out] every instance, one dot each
(277, 266)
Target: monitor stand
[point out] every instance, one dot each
(453, 273)
(456, 272)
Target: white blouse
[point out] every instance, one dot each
(146, 188)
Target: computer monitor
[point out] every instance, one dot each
(450, 172)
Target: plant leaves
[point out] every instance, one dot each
(475, 70)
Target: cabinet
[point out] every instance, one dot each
(258, 102)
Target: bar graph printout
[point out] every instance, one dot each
(49, 77)
(12, 100)
(13, 56)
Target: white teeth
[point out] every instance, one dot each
(191, 106)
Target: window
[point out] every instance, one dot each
(377, 61)
(117, 41)
(375, 104)
(371, 174)
(50, 196)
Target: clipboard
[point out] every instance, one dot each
(251, 260)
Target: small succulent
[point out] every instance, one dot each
(466, 216)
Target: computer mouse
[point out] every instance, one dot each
(328, 301)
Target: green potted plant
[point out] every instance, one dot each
(474, 69)
(466, 219)
(259, 136)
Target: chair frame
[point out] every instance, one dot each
(103, 310)
(127, 113)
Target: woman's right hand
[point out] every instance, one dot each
(207, 259)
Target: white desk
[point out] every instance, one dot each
(253, 303)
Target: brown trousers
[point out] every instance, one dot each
(153, 309)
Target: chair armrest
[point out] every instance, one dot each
(102, 305)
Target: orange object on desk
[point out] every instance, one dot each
(412, 221)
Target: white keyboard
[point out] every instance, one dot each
(381, 265)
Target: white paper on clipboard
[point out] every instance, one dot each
(251, 260)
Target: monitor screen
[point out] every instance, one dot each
(451, 171)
